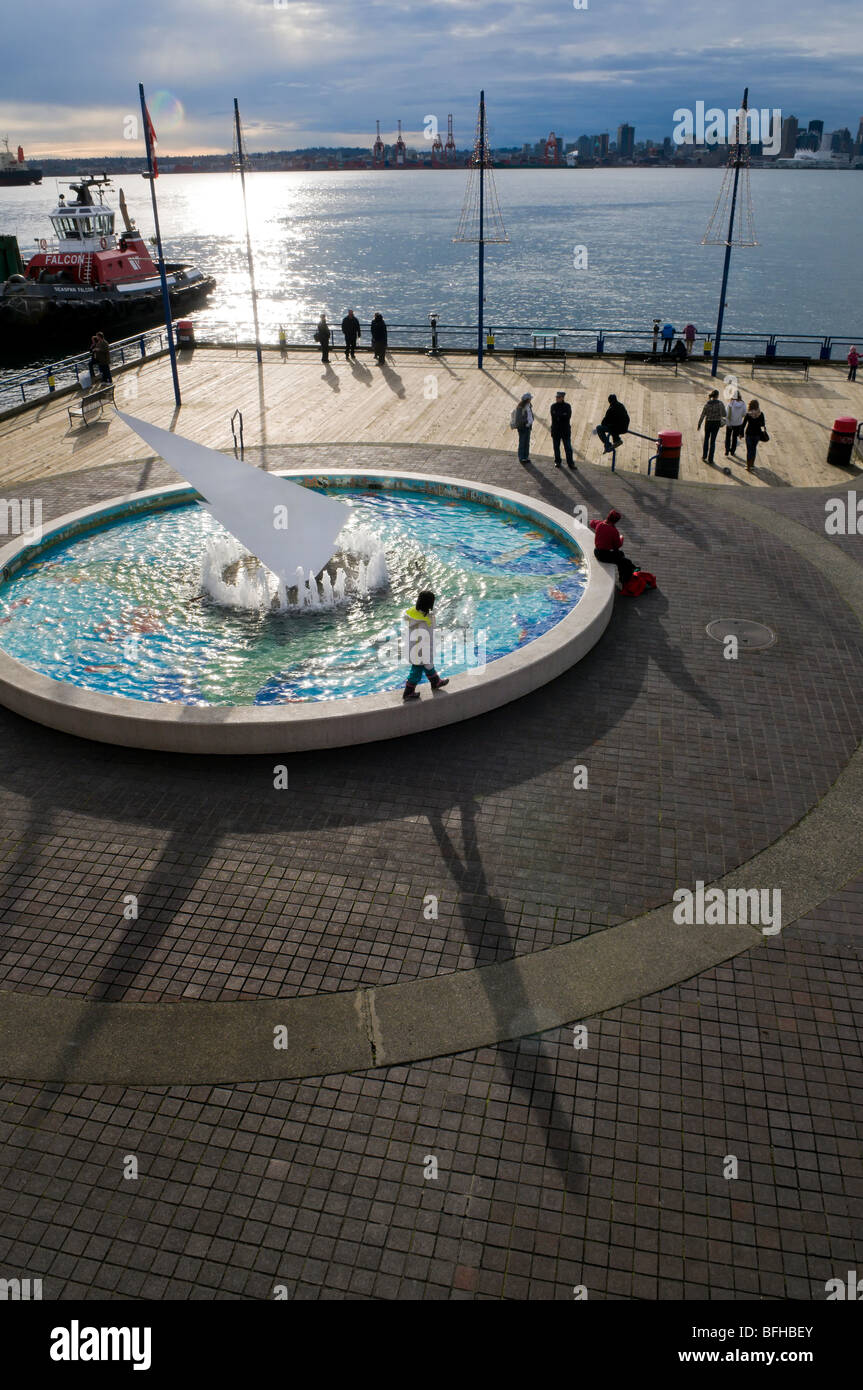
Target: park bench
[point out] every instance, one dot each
(784, 363)
(649, 359)
(89, 406)
(539, 353)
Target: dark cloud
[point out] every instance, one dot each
(306, 70)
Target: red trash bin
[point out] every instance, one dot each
(842, 441)
(668, 455)
(185, 333)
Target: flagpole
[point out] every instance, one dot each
(738, 160)
(241, 161)
(166, 298)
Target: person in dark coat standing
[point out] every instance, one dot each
(615, 422)
(100, 353)
(322, 336)
(561, 429)
(351, 330)
(379, 339)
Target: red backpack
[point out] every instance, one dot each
(637, 584)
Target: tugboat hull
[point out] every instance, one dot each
(40, 315)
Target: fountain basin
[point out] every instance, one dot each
(180, 724)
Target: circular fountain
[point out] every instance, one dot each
(143, 622)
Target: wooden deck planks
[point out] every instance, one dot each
(420, 400)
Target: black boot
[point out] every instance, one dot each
(410, 691)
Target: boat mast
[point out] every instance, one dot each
(241, 165)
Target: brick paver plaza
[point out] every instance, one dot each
(539, 1161)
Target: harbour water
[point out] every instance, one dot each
(383, 241)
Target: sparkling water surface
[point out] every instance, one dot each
(123, 610)
(383, 241)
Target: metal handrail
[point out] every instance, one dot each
(238, 414)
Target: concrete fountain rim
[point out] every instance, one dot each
(303, 727)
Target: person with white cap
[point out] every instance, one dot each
(523, 422)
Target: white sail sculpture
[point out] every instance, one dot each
(287, 526)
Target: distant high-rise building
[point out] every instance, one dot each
(841, 142)
(601, 145)
(625, 141)
(858, 143)
(584, 145)
(789, 137)
(817, 128)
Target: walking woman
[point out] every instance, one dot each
(754, 432)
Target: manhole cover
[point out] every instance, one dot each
(748, 634)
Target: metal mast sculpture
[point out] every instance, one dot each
(240, 163)
(727, 200)
(481, 219)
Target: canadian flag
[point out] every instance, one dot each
(152, 135)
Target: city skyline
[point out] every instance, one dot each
(622, 143)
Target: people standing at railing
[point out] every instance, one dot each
(755, 431)
(561, 429)
(689, 336)
(379, 339)
(713, 415)
(667, 336)
(615, 422)
(679, 352)
(100, 353)
(735, 414)
(322, 336)
(351, 330)
(853, 360)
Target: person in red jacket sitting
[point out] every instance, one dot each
(608, 545)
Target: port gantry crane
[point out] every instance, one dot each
(378, 147)
(401, 149)
(449, 149)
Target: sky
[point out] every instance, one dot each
(312, 74)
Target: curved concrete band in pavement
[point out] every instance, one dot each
(45, 1038)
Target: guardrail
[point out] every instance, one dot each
(20, 387)
(508, 336)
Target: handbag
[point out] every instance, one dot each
(764, 437)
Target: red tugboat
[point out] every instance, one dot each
(87, 278)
